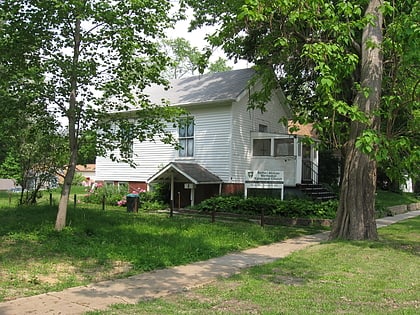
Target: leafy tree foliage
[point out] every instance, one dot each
(91, 58)
(31, 149)
(188, 60)
(341, 64)
(400, 112)
(35, 159)
(219, 66)
(20, 80)
(184, 58)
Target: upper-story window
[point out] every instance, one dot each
(127, 148)
(262, 128)
(123, 137)
(186, 137)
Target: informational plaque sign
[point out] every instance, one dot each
(264, 179)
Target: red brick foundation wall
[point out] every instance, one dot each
(231, 189)
(132, 186)
(182, 196)
(137, 186)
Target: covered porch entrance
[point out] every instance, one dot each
(189, 183)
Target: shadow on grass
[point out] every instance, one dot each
(345, 257)
(403, 236)
(95, 239)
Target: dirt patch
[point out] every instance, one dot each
(111, 270)
(40, 276)
(59, 273)
(218, 304)
(283, 279)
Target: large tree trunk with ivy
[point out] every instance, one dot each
(356, 214)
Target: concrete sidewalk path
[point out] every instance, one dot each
(155, 284)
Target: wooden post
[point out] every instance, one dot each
(51, 200)
(136, 204)
(103, 203)
(10, 198)
(75, 201)
(172, 196)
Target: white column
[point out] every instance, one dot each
(192, 195)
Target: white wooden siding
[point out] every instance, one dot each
(212, 139)
(222, 142)
(151, 156)
(211, 149)
(243, 122)
(241, 133)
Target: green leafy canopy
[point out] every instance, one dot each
(314, 48)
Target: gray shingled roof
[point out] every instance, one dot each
(213, 87)
(185, 172)
(6, 184)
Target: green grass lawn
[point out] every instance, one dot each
(363, 277)
(8, 199)
(98, 245)
(388, 198)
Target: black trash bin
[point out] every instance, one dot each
(133, 201)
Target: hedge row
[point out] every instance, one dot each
(296, 208)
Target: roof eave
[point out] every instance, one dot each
(220, 102)
(181, 172)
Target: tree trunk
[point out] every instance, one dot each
(60, 222)
(72, 115)
(356, 213)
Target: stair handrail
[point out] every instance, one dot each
(314, 174)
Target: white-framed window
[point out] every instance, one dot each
(261, 147)
(127, 148)
(273, 147)
(186, 137)
(284, 147)
(123, 136)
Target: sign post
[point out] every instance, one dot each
(266, 179)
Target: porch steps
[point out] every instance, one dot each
(316, 192)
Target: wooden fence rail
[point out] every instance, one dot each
(262, 219)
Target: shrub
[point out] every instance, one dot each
(326, 209)
(221, 204)
(255, 205)
(152, 205)
(78, 179)
(111, 193)
(116, 196)
(295, 208)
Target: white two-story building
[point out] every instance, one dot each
(220, 141)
